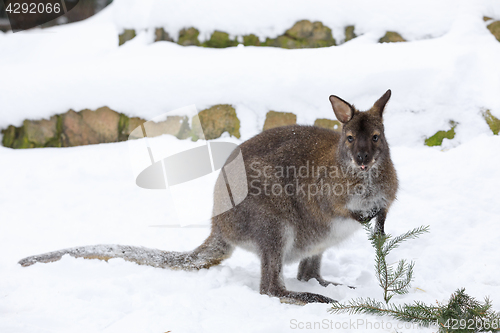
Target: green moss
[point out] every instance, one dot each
(319, 43)
(56, 141)
(9, 136)
(189, 37)
(162, 35)
(437, 139)
(127, 35)
(15, 137)
(284, 42)
(391, 37)
(123, 122)
(492, 121)
(494, 28)
(18, 138)
(215, 121)
(220, 39)
(251, 40)
(304, 34)
(349, 33)
(21, 140)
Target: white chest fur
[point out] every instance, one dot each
(370, 197)
(340, 230)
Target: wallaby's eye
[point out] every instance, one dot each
(375, 138)
(350, 138)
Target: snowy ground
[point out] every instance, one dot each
(56, 198)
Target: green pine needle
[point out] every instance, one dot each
(392, 281)
(462, 313)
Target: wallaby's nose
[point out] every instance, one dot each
(362, 157)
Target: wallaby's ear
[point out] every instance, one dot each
(379, 105)
(343, 110)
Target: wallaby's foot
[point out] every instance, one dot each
(326, 283)
(309, 269)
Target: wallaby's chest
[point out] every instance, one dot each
(371, 199)
(338, 230)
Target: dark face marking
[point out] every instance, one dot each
(363, 139)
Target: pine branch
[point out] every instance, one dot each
(460, 308)
(417, 313)
(398, 281)
(412, 234)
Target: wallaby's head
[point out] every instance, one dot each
(363, 142)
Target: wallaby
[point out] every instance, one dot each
(308, 189)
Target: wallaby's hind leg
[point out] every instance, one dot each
(309, 269)
(213, 250)
(272, 282)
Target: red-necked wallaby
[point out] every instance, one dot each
(308, 189)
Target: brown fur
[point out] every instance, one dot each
(284, 228)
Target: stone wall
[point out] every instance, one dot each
(303, 34)
(105, 125)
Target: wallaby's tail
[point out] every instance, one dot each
(210, 253)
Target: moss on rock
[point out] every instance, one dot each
(39, 132)
(189, 37)
(34, 134)
(349, 33)
(492, 121)
(9, 135)
(328, 123)
(304, 34)
(437, 139)
(215, 121)
(494, 28)
(127, 125)
(220, 39)
(283, 42)
(125, 36)
(391, 37)
(251, 40)
(15, 137)
(57, 140)
(278, 119)
(162, 35)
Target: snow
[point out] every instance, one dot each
(52, 199)
(49, 203)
